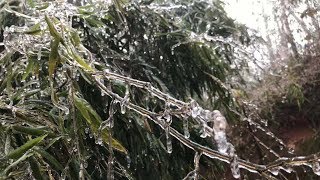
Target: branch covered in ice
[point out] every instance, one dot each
(226, 151)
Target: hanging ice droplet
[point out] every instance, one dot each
(81, 171)
(169, 142)
(128, 161)
(185, 127)
(39, 55)
(195, 112)
(195, 109)
(274, 171)
(234, 164)
(168, 118)
(203, 131)
(122, 108)
(99, 140)
(316, 167)
(86, 130)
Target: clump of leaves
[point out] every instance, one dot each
(57, 121)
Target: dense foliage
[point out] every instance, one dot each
(111, 90)
(52, 104)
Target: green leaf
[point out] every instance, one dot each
(32, 131)
(34, 30)
(15, 154)
(29, 68)
(53, 31)
(75, 38)
(44, 6)
(81, 61)
(35, 167)
(15, 163)
(94, 120)
(50, 159)
(94, 23)
(53, 57)
(31, 3)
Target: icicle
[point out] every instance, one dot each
(221, 140)
(220, 122)
(203, 131)
(39, 55)
(196, 164)
(125, 100)
(110, 169)
(195, 109)
(169, 142)
(128, 161)
(235, 167)
(110, 122)
(316, 167)
(123, 108)
(167, 118)
(81, 172)
(185, 127)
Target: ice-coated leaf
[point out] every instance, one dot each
(34, 30)
(94, 120)
(30, 66)
(50, 159)
(15, 154)
(35, 167)
(53, 57)
(81, 61)
(53, 31)
(75, 38)
(31, 131)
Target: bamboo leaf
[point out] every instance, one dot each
(94, 23)
(15, 154)
(31, 3)
(53, 31)
(75, 38)
(81, 61)
(50, 159)
(53, 57)
(29, 68)
(32, 131)
(35, 167)
(34, 30)
(94, 120)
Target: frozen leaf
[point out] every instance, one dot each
(15, 154)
